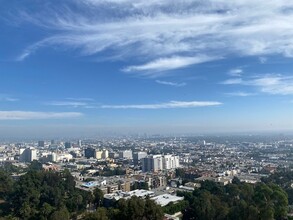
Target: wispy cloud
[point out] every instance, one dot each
(67, 103)
(171, 104)
(263, 60)
(276, 84)
(235, 72)
(7, 98)
(154, 30)
(164, 64)
(240, 94)
(28, 115)
(175, 84)
(81, 99)
(72, 102)
(233, 81)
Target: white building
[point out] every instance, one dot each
(28, 154)
(105, 154)
(155, 163)
(126, 154)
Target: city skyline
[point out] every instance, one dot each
(82, 68)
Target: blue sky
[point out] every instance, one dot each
(86, 67)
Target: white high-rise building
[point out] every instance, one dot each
(155, 163)
(28, 154)
(105, 154)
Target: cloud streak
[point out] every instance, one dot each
(167, 83)
(166, 105)
(164, 64)
(30, 115)
(240, 94)
(74, 104)
(7, 98)
(235, 72)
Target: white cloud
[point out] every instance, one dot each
(175, 84)
(275, 84)
(240, 94)
(153, 30)
(28, 115)
(67, 103)
(7, 98)
(263, 60)
(171, 104)
(164, 64)
(235, 72)
(233, 81)
(82, 99)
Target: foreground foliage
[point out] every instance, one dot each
(236, 201)
(42, 195)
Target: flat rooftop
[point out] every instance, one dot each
(165, 199)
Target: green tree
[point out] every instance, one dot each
(98, 197)
(100, 214)
(6, 184)
(152, 211)
(62, 213)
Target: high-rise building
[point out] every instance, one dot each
(105, 154)
(170, 162)
(41, 143)
(28, 155)
(154, 163)
(126, 154)
(79, 143)
(52, 157)
(90, 152)
(98, 154)
(67, 144)
(113, 155)
(137, 156)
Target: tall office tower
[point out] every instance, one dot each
(67, 145)
(41, 143)
(52, 141)
(28, 155)
(90, 152)
(79, 143)
(105, 154)
(152, 163)
(126, 154)
(137, 156)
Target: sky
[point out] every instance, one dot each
(91, 67)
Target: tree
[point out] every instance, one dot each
(152, 211)
(5, 185)
(98, 197)
(62, 213)
(100, 214)
(46, 210)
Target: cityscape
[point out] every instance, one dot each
(146, 110)
(155, 167)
